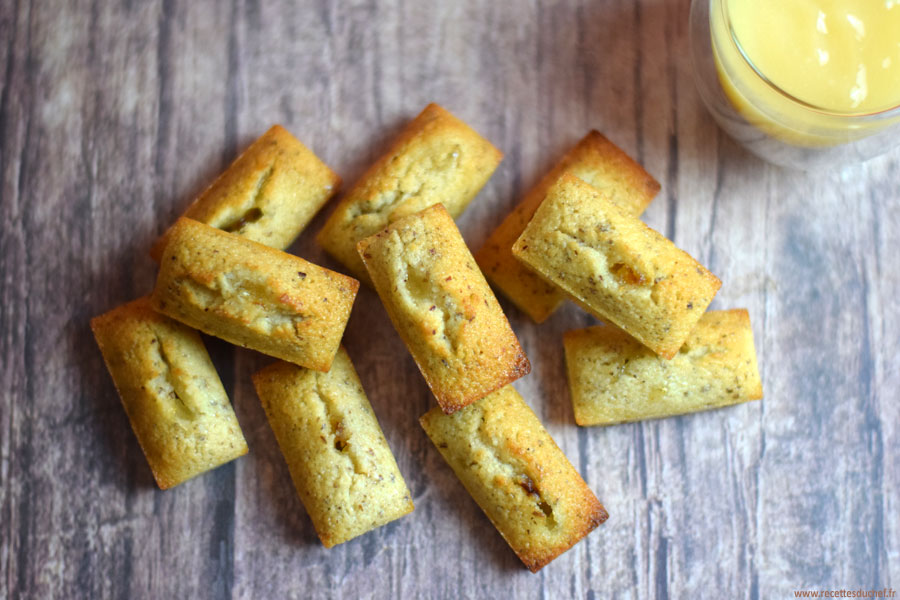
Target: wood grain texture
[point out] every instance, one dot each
(113, 115)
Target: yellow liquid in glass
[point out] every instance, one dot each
(836, 57)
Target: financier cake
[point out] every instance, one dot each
(596, 161)
(436, 158)
(252, 295)
(517, 474)
(443, 308)
(340, 463)
(615, 267)
(268, 194)
(614, 379)
(170, 390)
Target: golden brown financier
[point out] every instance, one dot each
(615, 379)
(340, 463)
(269, 194)
(170, 390)
(517, 474)
(596, 161)
(252, 295)
(436, 159)
(616, 267)
(443, 308)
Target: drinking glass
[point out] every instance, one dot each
(767, 120)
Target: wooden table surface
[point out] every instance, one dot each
(113, 115)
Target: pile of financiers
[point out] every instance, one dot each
(576, 235)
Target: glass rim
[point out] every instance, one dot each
(876, 115)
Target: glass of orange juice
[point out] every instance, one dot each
(801, 83)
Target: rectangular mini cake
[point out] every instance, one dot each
(615, 267)
(252, 295)
(598, 162)
(340, 463)
(436, 159)
(517, 474)
(170, 390)
(614, 379)
(268, 194)
(443, 308)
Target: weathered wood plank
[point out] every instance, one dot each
(14, 104)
